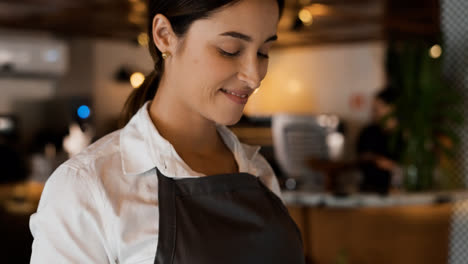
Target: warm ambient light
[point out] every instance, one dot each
(294, 86)
(137, 79)
(139, 7)
(143, 39)
(435, 51)
(319, 10)
(136, 18)
(306, 17)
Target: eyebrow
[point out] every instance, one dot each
(245, 37)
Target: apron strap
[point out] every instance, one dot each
(167, 224)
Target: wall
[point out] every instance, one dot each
(78, 81)
(321, 79)
(109, 95)
(334, 79)
(24, 96)
(91, 73)
(13, 89)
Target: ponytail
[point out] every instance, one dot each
(139, 96)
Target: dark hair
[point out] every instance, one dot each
(181, 14)
(388, 95)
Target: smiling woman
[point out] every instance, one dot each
(209, 42)
(174, 185)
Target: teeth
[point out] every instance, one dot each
(238, 95)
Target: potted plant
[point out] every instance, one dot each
(428, 112)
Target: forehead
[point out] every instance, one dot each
(256, 18)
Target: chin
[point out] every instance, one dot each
(229, 120)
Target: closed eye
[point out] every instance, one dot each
(263, 55)
(229, 54)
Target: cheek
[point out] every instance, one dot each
(217, 62)
(204, 75)
(217, 70)
(263, 69)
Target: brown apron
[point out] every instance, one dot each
(224, 219)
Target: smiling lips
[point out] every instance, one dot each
(237, 97)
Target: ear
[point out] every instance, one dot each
(164, 37)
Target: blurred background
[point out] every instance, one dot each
(361, 116)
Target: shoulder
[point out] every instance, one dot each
(71, 205)
(106, 148)
(75, 189)
(80, 178)
(85, 167)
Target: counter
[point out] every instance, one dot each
(302, 198)
(400, 228)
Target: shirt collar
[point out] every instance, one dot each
(134, 148)
(245, 152)
(142, 148)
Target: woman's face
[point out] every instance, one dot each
(223, 59)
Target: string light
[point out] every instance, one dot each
(306, 17)
(143, 39)
(435, 51)
(137, 79)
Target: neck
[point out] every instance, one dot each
(184, 129)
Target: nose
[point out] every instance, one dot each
(249, 73)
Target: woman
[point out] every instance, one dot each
(142, 194)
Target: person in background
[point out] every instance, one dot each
(378, 158)
(174, 185)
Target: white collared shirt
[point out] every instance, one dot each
(101, 206)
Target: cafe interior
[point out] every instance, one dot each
(361, 116)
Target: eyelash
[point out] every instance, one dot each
(227, 54)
